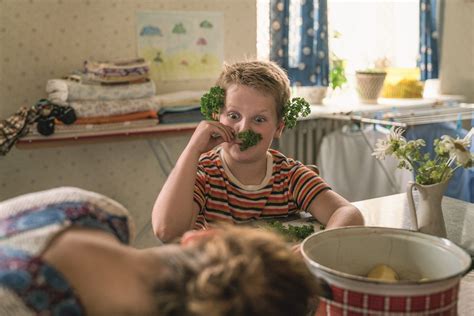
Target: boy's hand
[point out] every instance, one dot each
(209, 134)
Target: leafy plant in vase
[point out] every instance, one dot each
(432, 174)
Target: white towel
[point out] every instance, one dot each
(93, 108)
(58, 88)
(180, 98)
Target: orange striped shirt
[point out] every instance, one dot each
(289, 187)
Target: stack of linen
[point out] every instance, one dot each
(108, 92)
(127, 71)
(119, 96)
(180, 107)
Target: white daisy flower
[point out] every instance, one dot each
(461, 152)
(396, 134)
(420, 143)
(457, 149)
(384, 147)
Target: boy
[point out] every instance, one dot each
(225, 183)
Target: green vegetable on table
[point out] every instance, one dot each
(291, 232)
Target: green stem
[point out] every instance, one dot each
(412, 163)
(456, 168)
(442, 174)
(446, 167)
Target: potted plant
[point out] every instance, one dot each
(337, 74)
(369, 83)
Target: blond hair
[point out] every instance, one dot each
(265, 76)
(238, 271)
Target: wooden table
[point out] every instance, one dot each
(392, 211)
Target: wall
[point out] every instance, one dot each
(457, 59)
(44, 39)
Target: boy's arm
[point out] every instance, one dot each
(175, 211)
(332, 210)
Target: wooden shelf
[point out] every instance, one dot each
(78, 134)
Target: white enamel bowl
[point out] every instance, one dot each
(429, 267)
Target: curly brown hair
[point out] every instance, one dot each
(238, 271)
(265, 76)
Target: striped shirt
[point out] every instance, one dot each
(288, 187)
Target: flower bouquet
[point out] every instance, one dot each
(432, 174)
(451, 154)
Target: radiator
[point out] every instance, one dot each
(304, 140)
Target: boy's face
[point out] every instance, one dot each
(249, 109)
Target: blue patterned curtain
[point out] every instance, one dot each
(429, 23)
(307, 62)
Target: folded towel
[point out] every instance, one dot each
(119, 71)
(180, 114)
(117, 118)
(60, 91)
(92, 108)
(180, 98)
(102, 66)
(119, 78)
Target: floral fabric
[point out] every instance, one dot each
(42, 288)
(39, 288)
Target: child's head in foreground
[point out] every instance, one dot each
(236, 271)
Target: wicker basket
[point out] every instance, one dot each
(369, 85)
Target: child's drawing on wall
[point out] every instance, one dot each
(181, 45)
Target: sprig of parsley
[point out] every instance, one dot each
(249, 138)
(212, 102)
(291, 233)
(293, 109)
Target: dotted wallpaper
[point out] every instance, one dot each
(45, 39)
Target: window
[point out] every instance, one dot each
(368, 30)
(371, 30)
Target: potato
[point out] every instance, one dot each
(383, 272)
